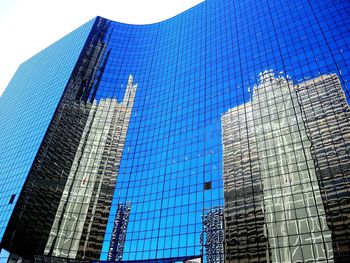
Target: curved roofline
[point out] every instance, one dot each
(154, 23)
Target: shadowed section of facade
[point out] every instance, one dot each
(30, 224)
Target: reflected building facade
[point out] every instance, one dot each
(245, 229)
(213, 235)
(116, 247)
(280, 146)
(326, 114)
(83, 210)
(203, 161)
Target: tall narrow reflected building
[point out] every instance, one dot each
(213, 235)
(80, 221)
(82, 214)
(116, 247)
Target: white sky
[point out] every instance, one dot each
(28, 26)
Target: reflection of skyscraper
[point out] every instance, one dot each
(279, 148)
(83, 210)
(116, 247)
(245, 232)
(326, 115)
(213, 235)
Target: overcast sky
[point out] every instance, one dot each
(28, 26)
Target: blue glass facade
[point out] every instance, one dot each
(212, 156)
(27, 107)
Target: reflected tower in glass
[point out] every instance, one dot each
(219, 135)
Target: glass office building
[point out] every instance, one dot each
(219, 135)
